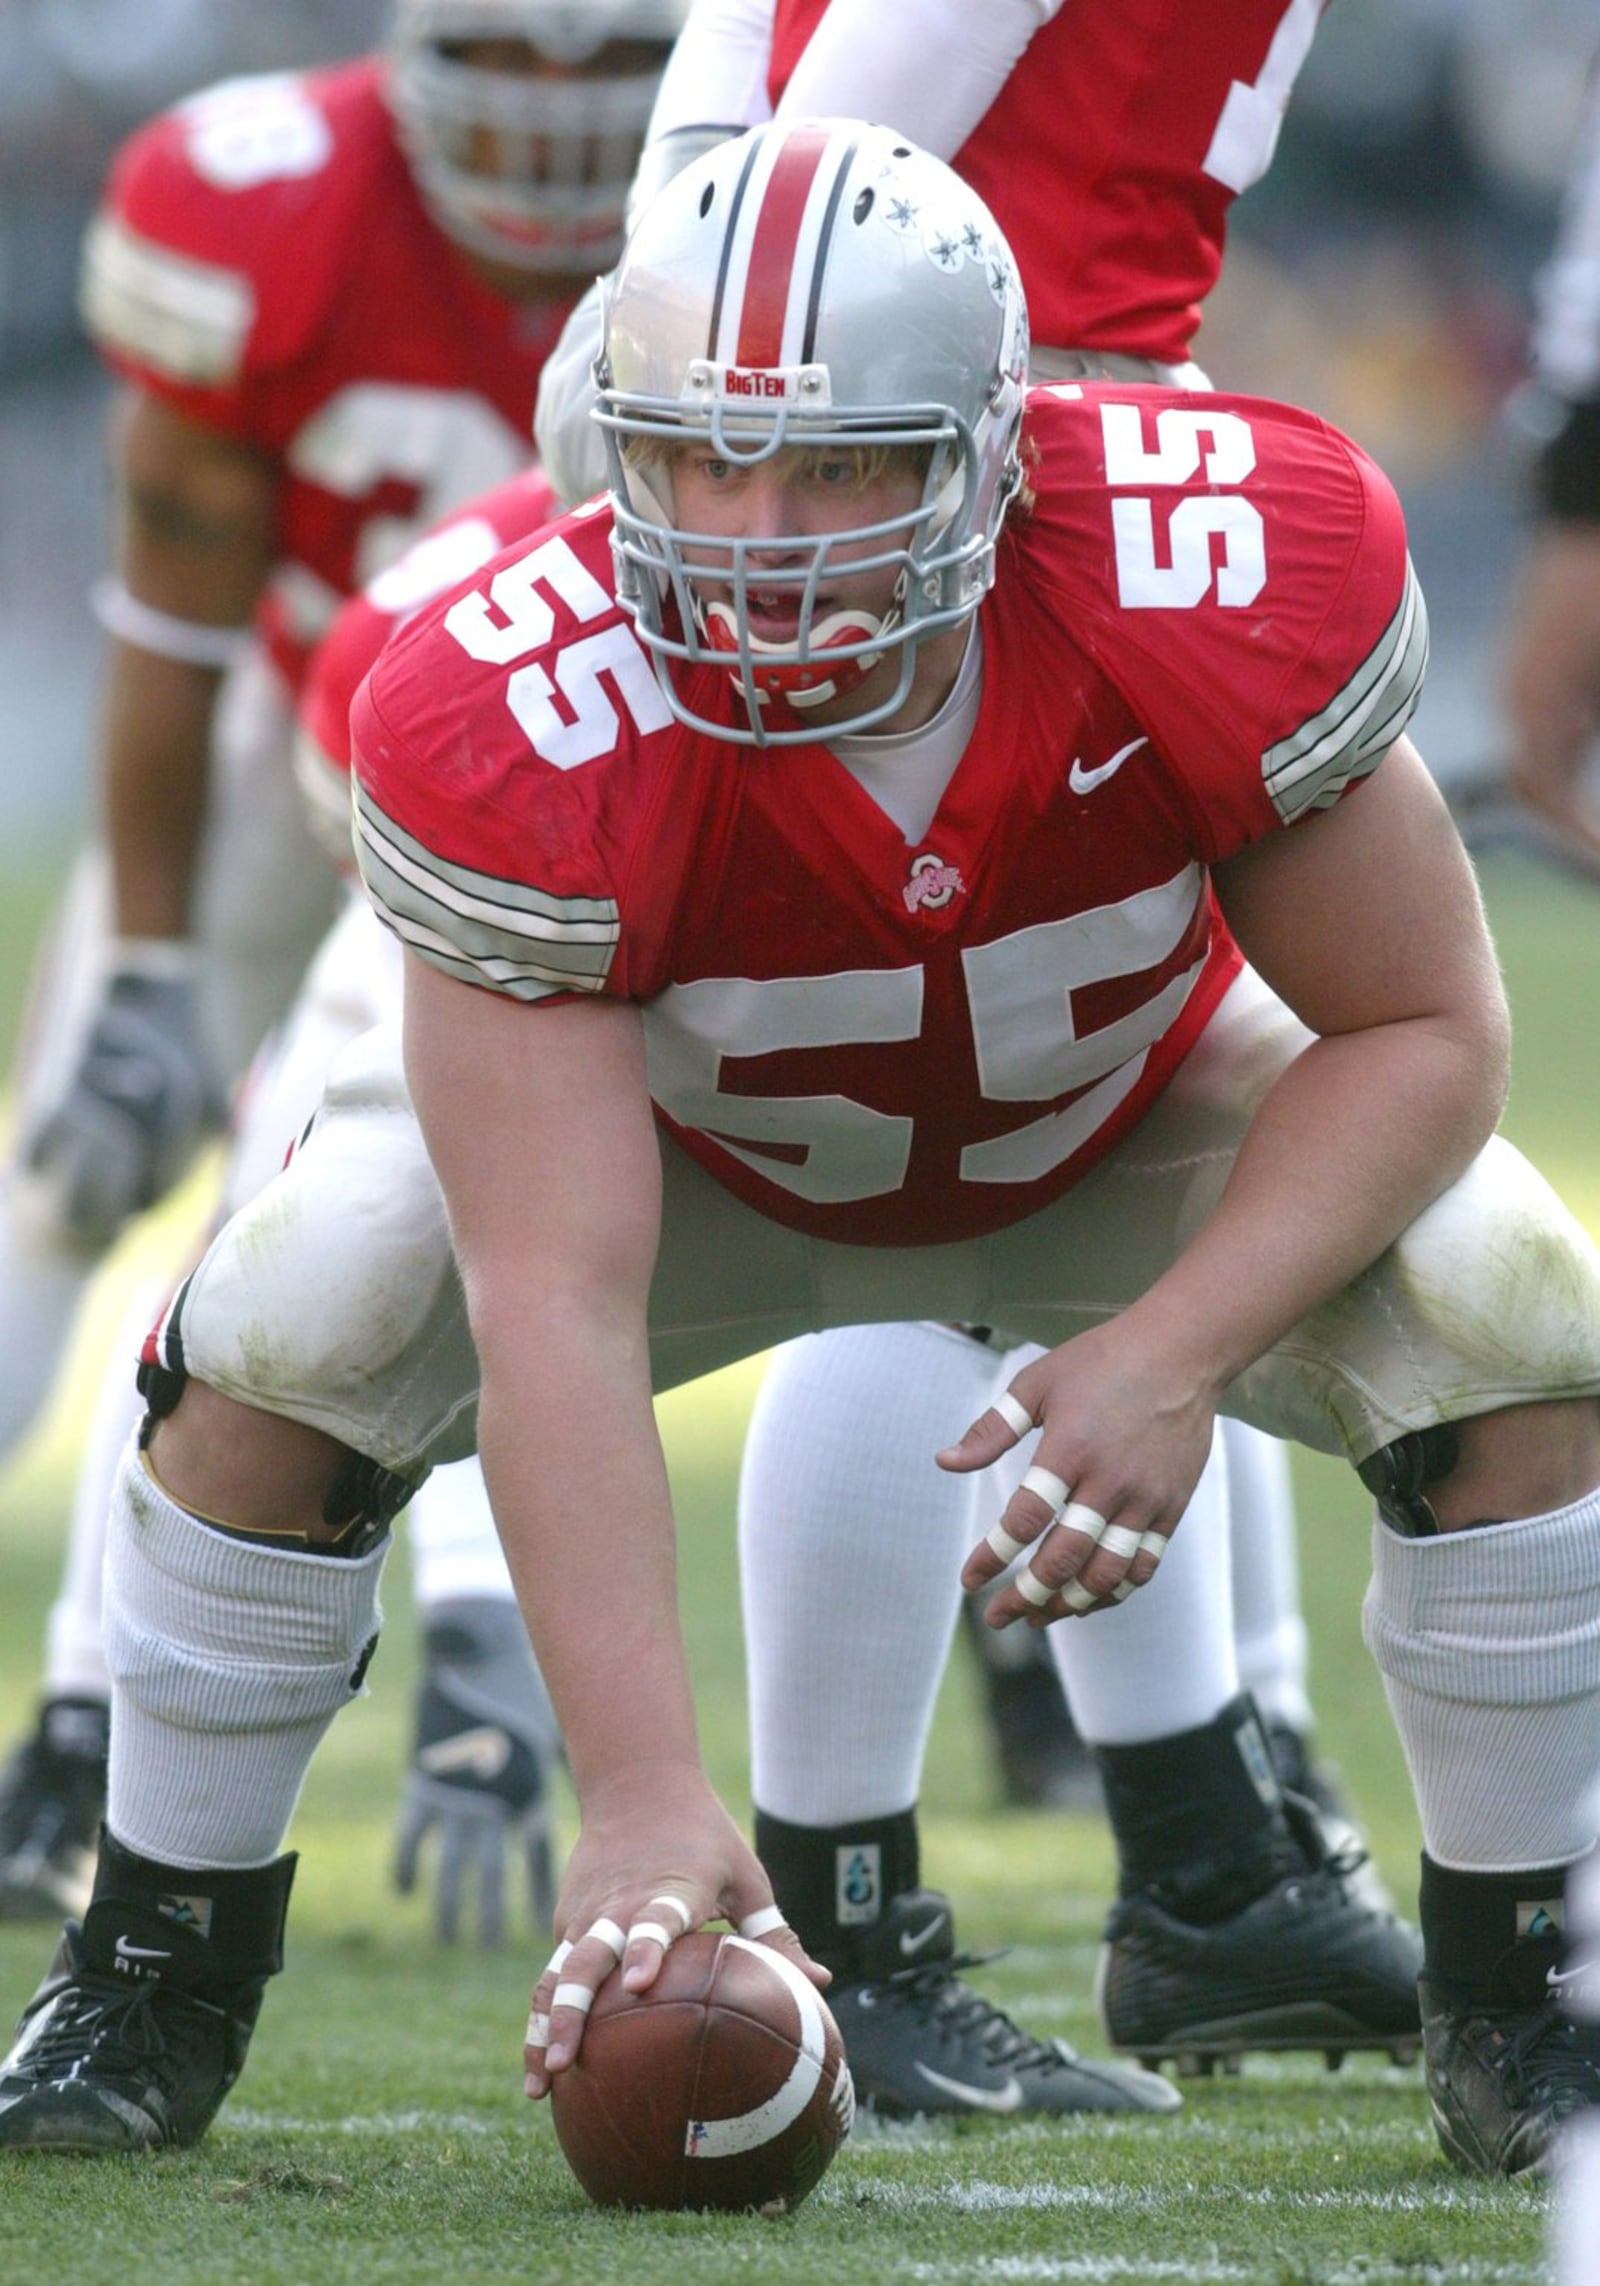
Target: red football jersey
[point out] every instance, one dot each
(1112, 155)
(1205, 626)
(262, 260)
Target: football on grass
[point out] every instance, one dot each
(724, 2085)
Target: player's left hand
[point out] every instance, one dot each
(1119, 1455)
(477, 1793)
(658, 1856)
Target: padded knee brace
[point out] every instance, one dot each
(1489, 1646)
(228, 1661)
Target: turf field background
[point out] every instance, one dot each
(380, 2133)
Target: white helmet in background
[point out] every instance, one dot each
(529, 167)
(820, 283)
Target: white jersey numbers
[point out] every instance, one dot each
(1020, 1000)
(1208, 542)
(515, 617)
(254, 130)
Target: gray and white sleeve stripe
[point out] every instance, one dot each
(479, 926)
(1310, 769)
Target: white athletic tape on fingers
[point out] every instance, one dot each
(1045, 1485)
(1077, 1597)
(608, 1934)
(675, 1906)
(1016, 1416)
(1123, 1589)
(1121, 1540)
(538, 2032)
(1004, 1546)
(1078, 1516)
(560, 1957)
(1154, 1545)
(1032, 1589)
(576, 1996)
(653, 1932)
(762, 1923)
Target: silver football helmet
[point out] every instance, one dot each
(529, 167)
(819, 283)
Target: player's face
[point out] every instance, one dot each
(779, 508)
(502, 154)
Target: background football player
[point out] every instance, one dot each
(327, 297)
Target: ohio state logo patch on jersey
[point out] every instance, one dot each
(932, 883)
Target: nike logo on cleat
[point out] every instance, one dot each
(1084, 781)
(913, 1940)
(1003, 2099)
(126, 1951)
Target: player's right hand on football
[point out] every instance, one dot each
(139, 1104)
(657, 1856)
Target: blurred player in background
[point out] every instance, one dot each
(1551, 671)
(327, 297)
(1110, 143)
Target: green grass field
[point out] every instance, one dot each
(380, 2133)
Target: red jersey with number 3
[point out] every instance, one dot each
(1112, 154)
(261, 260)
(1205, 626)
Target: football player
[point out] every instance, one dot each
(781, 952)
(1552, 667)
(1110, 144)
(327, 297)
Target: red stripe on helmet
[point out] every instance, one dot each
(772, 251)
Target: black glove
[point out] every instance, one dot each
(485, 1742)
(138, 1107)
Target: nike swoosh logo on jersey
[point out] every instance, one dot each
(1006, 2098)
(481, 1753)
(1084, 781)
(128, 1952)
(913, 1940)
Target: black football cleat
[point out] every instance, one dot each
(921, 2041)
(52, 1791)
(1309, 1964)
(141, 2025)
(1506, 2075)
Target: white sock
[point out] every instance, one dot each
(41, 1286)
(75, 1654)
(455, 1549)
(228, 1662)
(1269, 1631)
(841, 1442)
(1489, 1644)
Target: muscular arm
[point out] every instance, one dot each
(195, 542)
(1365, 920)
(540, 1127)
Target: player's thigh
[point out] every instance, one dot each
(63, 990)
(266, 891)
(332, 1297)
(353, 985)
